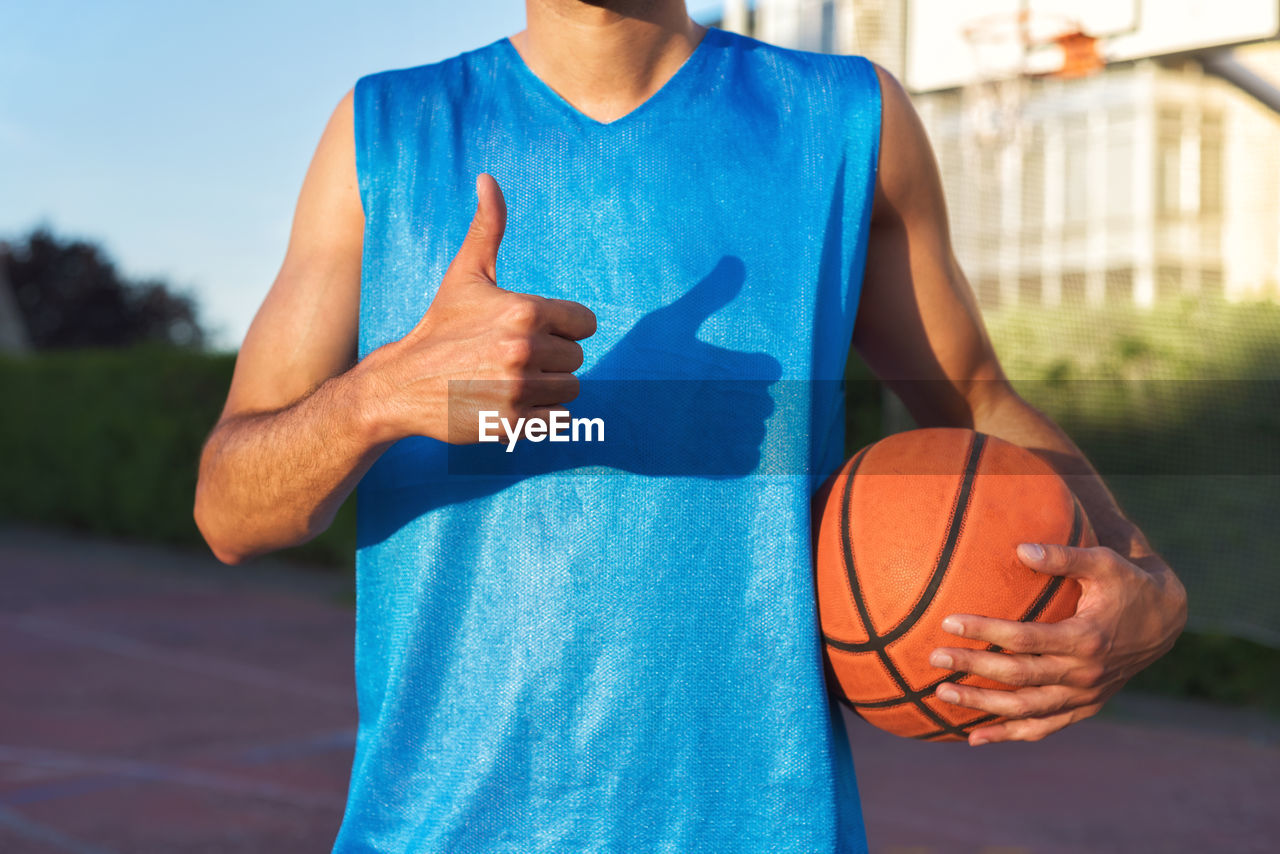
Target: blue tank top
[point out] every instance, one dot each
(614, 646)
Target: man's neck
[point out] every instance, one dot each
(606, 57)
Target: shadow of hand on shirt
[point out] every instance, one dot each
(671, 404)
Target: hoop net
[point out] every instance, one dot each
(1008, 51)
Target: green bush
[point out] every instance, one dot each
(108, 442)
(1219, 668)
(1179, 409)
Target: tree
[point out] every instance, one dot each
(70, 295)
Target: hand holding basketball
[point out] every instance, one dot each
(1066, 670)
(479, 346)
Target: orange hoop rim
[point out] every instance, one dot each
(1032, 31)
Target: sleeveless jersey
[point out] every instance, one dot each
(613, 646)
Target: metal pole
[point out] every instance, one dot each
(1224, 64)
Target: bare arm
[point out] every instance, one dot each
(292, 442)
(920, 331)
(302, 424)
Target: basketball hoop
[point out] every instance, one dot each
(992, 104)
(1039, 44)
(1010, 49)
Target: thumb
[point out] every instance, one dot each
(478, 255)
(1074, 562)
(683, 316)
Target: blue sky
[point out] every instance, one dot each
(176, 135)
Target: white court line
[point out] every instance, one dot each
(155, 772)
(192, 662)
(36, 832)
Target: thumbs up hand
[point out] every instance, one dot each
(479, 346)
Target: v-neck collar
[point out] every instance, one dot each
(677, 81)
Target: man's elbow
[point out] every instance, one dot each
(223, 550)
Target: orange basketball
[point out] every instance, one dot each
(918, 526)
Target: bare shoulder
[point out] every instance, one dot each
(306, 329)
(907, 181)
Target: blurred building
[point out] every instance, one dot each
(1148, 180)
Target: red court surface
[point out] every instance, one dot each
(156, 701)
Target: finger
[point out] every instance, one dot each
(554, 354)
(1016, 670)
(1068, 637)
(478, 255)
(568, 319)
(1071, 561)
(1022, 703)
(544, 412)
(549, 389)
(1030, 729)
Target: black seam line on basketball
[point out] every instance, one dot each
(1077, 523)
(966, 728)
(848, 551)
(938, 732)
(876, 642)
(873, 642)
(1037, 607)
(1055, 583)
(1041, 602)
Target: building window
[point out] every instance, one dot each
(1073, 287)
(988, 292)
(1031, 290)
(1119, 286)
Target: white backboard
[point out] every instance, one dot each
(940, 56)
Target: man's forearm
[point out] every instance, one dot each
(1013, 419)
(270, 480)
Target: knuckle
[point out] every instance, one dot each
(1056, 555)
(1091, 644)
(1091, 696)
(517, 392)
(516, 352)
(1011, 674)
(1090, 675)
(521, 311)
(1018, 707)
(1021, 639)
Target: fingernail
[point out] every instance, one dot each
(1031, 552)
(941, 659)
(978, 742)
(952, 625)
(947, 694)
